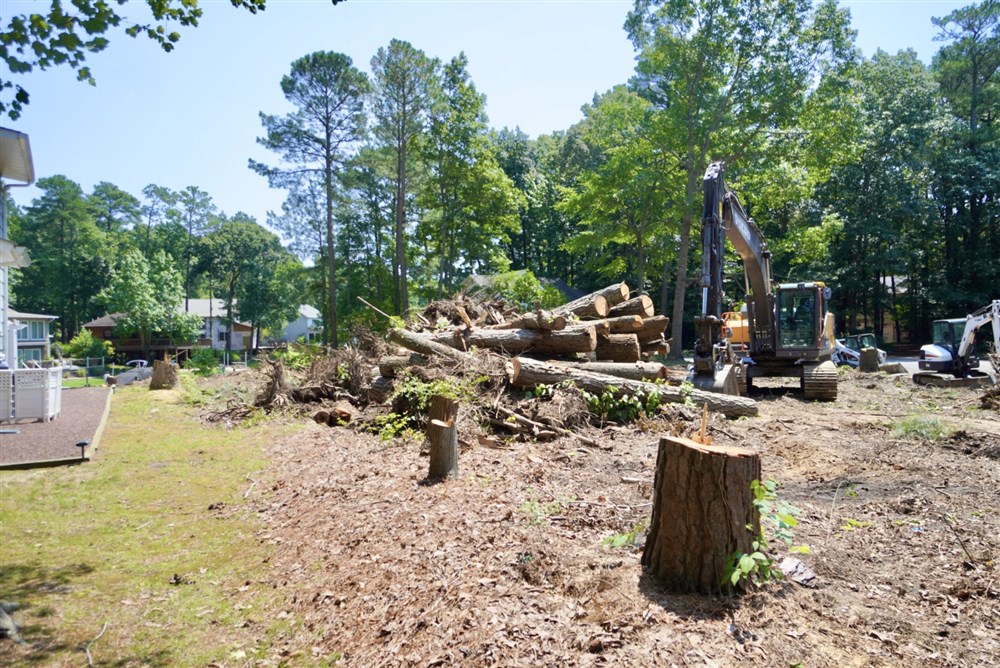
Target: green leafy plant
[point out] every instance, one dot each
(298, 356)
(851, 524)
(609, 405)
(522, 288)
(757, 566)
(84, 345)
(920, 426)
(394, 425)
(204, 361)
(627, 539)
(539, 512)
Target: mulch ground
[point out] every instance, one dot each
(82, 410)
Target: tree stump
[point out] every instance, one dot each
(442, 432)
(164, 376)
(868, 362)
(702, 506)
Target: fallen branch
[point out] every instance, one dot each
(548, 427)
(90, 659)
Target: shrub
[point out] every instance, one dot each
(204, 361)
(85, 345)
(523, 289)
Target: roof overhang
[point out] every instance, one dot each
(15, 157)
(12, 255)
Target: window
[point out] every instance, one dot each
(109, 334)
(34, 331)
(222, 335)
(26, 354)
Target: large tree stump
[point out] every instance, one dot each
(442, 432)
(868, 361)
(702, 506)
(164, 376)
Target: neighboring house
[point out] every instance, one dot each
(32, 335)
(213, 331)
(308, 326)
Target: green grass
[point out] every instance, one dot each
(69, 383)
(103, 542)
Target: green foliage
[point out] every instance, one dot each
(851, 524)
(417, 393)
(539, 512)
(298, 356)
(204, 361)
(780, 517)
(627, 539)
(925, 427)
(526, 291)
(85, 345)
(393, 425)
(610, 405)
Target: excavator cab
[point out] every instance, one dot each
(802, 320)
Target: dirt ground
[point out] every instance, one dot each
(505, 565)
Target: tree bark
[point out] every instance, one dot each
(653, 328)
(596, 304)
(868, 362)
(517, 341)
(543, 320)
(420, 343)
(527, 373)
(389, 365)
(164, 376)
(649, 371)
(442, 432)
(641, 306)
(617, 348)
(702, 508)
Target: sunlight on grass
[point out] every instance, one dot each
(153, 537)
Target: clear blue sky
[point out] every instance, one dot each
(191, 117)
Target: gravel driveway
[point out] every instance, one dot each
(82, 410)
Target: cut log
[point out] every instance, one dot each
(442, 432)
(543, 320)
(650, 371)
(527, 373)
(703, 514)
(390, 365)
(868, 360)
(641, 306)
(653, 328)
(516, 341)
(655, 347)
(617, 348)
(379, 390)
(164, 376)
(421, 343)
(338, 415)
(596, 304)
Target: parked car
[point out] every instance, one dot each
(137, 364)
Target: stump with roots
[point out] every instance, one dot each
(164, 376)
(702, 508)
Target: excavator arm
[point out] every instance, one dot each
(987, 314)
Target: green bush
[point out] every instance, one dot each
(204, 361)
(85, 345)
(522, 288)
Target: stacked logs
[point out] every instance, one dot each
(608, 325)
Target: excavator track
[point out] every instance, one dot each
(819, 381)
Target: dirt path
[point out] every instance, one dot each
(505, 565)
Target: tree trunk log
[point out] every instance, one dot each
(641, 306)
(543, 320)
(649, 371)
(702, 506)
(424, 344)
(442, 432)
(527, 373)
(653, 328)
(596, 304)
(516, 341)
(164, 376)
(655, 347)
(379, 390)
(617, 348)
(390, 365)
(868, 362)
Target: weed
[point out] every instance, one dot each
(851, 524)
(851, 492)
(627, 539)
(757, 567)
(538, 512)
(625, 408)
(923, 427)
(394, 425)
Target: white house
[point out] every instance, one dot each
(308, 326)
(31, 334)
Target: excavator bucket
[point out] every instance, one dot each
(724, 382)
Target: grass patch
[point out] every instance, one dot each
(923, 427)
(153, 537)
(70, 383)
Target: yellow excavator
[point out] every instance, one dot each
(788, 332)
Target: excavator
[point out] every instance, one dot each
(789, 330)
(949, 361)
